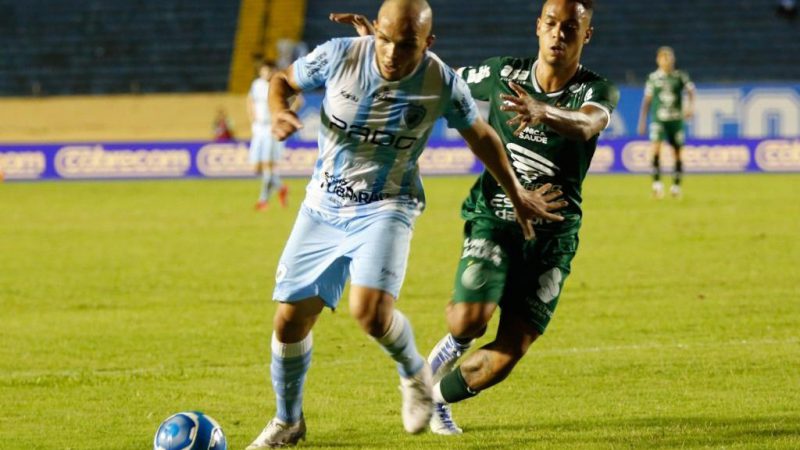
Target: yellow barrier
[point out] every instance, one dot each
(118, 117)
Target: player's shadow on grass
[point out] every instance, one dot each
(652, 431)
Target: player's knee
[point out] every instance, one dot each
(469, 320)
(370, 321)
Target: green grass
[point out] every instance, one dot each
(124, 302)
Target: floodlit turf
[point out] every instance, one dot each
(124, 302)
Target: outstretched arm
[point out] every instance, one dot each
(582, 124)
(282, 87)
(360, 23)
(484, 142)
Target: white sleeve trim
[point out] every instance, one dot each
(603, 108)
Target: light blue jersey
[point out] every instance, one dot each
(259, 95)
(373, 130)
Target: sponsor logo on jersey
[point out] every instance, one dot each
(280, 274)
(342, 188)
(478, 75)
(349, 96)
(462, 106)
(413, 115)
(509, 73)
(474, 277)
(482, 249)
(363, 135)
(316, 62)
(504, 209)
(384, 95)
(533, 135)
(528, 164)
(549, 285)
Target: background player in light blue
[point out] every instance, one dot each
(265, 151)
(382, 97)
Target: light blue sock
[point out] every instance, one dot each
(399, 344)
(290, 362)
(266, 185)
(276, 181)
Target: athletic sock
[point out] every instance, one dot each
(463, 344)
(656, 168)
(678, 172)
(453, 388)
(266, 185)
(290, 362)
(399, 344)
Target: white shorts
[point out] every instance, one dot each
(324, 250)
(265, 148)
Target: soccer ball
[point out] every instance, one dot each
(190, 430)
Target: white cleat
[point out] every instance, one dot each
(442, 421)
(658, 189)
(278, 433)
(443, 357)
(675, 190)
(417, 400)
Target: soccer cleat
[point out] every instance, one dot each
(658, 189)
(278, 433)
(262, 205)
(442, 421)
(444, 356)
(417, 400)
(283, 195)
(675, 190)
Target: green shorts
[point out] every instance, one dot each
(671, 131)
(498, 266)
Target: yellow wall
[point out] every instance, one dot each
(262, 23)
(123, 117)
(248, 42)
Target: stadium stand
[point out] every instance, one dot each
(115, 46)
(119, 46)
(732, 43)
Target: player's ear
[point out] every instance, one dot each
(588, 36)
(429, 41)
(538, 22)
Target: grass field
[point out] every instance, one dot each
(124, 302)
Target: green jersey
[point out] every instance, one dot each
(666, 90)
(538, 155)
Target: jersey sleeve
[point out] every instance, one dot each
(602, 94)
(461, 111)
(686, 81)
(311, 71)
(480, 79)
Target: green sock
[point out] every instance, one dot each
(454, 388)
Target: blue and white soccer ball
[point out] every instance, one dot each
(190, 430)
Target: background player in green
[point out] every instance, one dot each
(663, 98)
(548, 111)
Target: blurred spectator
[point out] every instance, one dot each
(290, 50)
(787, 9)
(223, 129)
